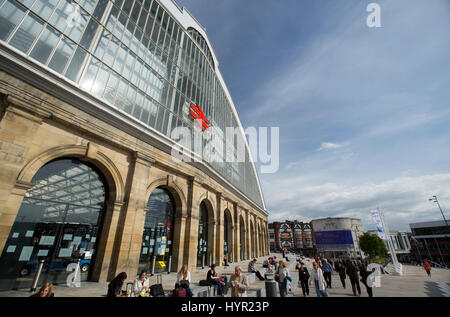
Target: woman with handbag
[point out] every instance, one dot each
(283, 279)
(184, 280)
(319, 281)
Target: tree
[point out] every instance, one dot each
(372, 245)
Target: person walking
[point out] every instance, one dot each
(427, 268)
(327, 269)
(342, 274)
(303, 278)
(352, 272)
(364, 275)
(284, 279)
(319, 281)
(239, 283)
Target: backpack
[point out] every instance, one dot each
(204, 283)
(179, 292)
(157, 289)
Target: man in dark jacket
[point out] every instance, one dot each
(303, 276)
(352, 272)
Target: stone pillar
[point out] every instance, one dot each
(10, 209)
(248, 236)
(18, 130)
(237, 235)
(219, 230)
(131, 221)
(104, 252)
(191, 229)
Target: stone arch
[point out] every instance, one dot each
(228, 230)
(174, 189)
(81, 152)
(211, 226)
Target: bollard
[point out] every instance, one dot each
(153, 265)
(170, 264)
(271, 285)
(37, 275)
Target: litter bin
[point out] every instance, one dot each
(271, 285)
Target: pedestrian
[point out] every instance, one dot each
(239, 283)
(45, 291)
(303, 278)
(327, 269)
(251, 269)
(115, 286)
(364, 275)
(284, 279)
(141, 286)
(214, 279)
(184, 280)
(427, 268)
(342, 274)
(319, 281)
(352, 272)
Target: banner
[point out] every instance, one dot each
(378, 224)
(342, 237)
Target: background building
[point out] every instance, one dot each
(337, 237)
(401, 243)
(292, 235)
(431, 241)
(90, 92)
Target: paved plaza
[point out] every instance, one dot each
(413, 283)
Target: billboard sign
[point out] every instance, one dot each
(342, 237)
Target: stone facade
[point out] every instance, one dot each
(36, 128)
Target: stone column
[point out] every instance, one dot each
(104, 252)
(237, 235)
(248, 237)
(191, 229)
(219, 230)
(131, 221)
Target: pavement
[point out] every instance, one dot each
(413, 283)
(94, 289)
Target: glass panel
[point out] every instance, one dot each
(89, 34)
(27, 33)
(112, 18)
(100, 9)
(102, 44)
(158, 231)
(110, 91)
(10, 16)
(44, 46)
(62, 55)
(44, 8)
(76, 65)
(89, 75)
(100, 82)
(110, 53)
(61, 16)
(88, 5)
(76, 26)
(58, 222)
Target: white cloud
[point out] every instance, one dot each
(404, 200)
(329, 146)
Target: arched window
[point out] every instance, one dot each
(202, 251)
(157, 240)
(58, 222)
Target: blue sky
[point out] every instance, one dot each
(364, 113)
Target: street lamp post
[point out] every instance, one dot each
(434, 199)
